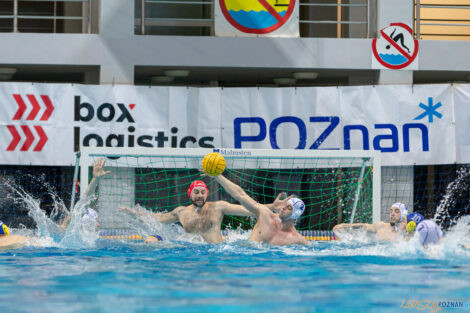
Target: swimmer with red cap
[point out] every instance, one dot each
(202, 217)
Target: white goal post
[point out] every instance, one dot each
(88, 154)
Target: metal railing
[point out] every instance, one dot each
(147, 19)
(16, 17)
(176, 21)
(443, 24)
(339, 21)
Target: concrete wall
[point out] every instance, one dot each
(116, 49)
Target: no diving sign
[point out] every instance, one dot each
(395, 48)
(276, 18)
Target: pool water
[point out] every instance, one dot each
(237, 276)
(76, 271)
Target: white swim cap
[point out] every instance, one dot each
(90, 215)
(403, 210)
(298, 208)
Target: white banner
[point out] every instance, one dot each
(84, 115)
(43, 124)
(410, 125)
(462, 122)
(255, 18)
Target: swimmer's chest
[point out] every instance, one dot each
(266, 231)
(201, 221)
(386, 233)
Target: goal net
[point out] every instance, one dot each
(336, 186)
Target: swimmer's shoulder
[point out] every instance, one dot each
(13, 241)
(380, 225)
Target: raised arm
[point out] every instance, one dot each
(98, 172)
(240, 195)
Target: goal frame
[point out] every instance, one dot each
(86, 152)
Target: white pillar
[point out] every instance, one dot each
(116, 26)
(394, 11)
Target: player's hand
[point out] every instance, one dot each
(279, 203)
(126, 210)
(338, 227)
(98, 168)
(202, 173)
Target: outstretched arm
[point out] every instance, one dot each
(13, 242)
(170, 217)
(367, 227)
(166, 218)
(240, 195)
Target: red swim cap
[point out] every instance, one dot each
(197, 183)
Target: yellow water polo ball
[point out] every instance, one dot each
(213, 164)
(411, 226)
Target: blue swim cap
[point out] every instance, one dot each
(158, 237)
(412, 220)
(4, 231)
(298, 208)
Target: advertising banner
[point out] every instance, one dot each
(44, 124)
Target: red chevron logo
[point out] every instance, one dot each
(49, 108)
(29, 138)
(42, 138)
(16, 138)
(36, 107)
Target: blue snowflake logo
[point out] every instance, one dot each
(429, 110)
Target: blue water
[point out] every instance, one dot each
(393, 59)
(76, 271)
(117, 276)
(255, 20)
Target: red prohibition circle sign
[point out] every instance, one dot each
(281, 20)
(410, 58)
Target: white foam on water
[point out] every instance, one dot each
(81, 234)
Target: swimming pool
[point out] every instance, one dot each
(78, 272)
(237, 276)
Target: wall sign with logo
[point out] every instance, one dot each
(275, 18)
(395, 48)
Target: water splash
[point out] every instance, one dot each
(45, 227)
(80, 232)
(460, 185)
